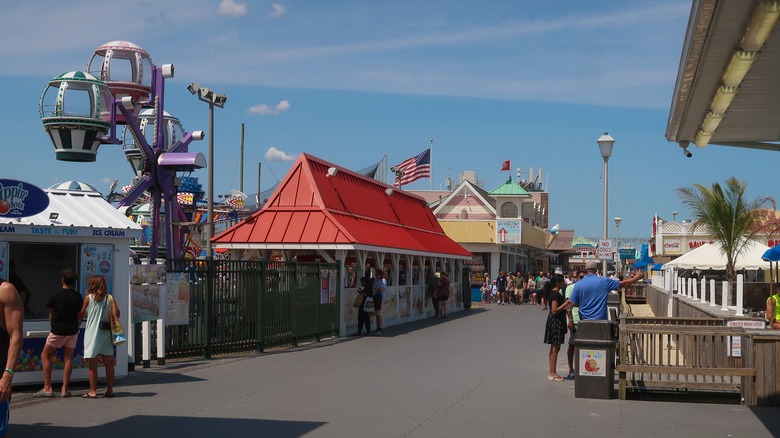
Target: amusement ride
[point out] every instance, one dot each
(81, 110)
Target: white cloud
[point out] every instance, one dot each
(231, 9)
(275, 154)
(283, 105)
(267, 110)
(278, 11)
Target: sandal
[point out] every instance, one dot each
(43, 394)
(109, 395)
(66, 395)
(89, 396)
(555, 378)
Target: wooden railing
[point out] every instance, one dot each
(661, 353)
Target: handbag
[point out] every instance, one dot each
(105, 325)
(117, 332)
(368, 306)
(358, 300)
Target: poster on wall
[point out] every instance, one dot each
(324, 286)
(4, 260)
(177, 298)
(332, 287)
(97, 260)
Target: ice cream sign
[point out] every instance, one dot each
(20, 199)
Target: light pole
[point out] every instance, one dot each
(606, 142)
(619, 265)
(213, 99)
(674, 216)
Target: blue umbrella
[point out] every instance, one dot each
(772, 254)
(639, 265)
(657, 267)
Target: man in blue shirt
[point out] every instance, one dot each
(590, 293)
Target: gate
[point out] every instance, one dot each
(241, 306)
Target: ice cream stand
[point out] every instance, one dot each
(76, 229)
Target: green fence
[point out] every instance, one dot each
(241, 306)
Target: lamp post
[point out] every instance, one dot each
(619, 264)
(606, 142)
(213, 99)
(674, 216)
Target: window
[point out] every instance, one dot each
(509, 209)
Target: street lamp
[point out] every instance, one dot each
(618, 220)
(606, 142)
(213, 99)
(674, 216)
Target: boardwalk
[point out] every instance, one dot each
(480, 373)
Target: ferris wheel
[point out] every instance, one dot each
(81, 110)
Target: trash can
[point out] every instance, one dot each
(594, 351)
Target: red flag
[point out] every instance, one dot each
(505, 165)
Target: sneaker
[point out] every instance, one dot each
(378, 332)
(43, 394)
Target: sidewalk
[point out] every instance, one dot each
(480, 373)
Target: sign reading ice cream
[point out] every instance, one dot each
(20, 199)
(593, 362)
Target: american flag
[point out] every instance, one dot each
(413, 169)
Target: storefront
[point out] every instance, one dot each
(78, 230)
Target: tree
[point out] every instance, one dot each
(727, 215)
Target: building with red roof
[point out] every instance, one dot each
(324, 212)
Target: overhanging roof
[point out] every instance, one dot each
(319, 204)
(715, 28)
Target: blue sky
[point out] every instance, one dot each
(352, 81)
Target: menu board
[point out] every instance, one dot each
(97, 260)
(177, 298)
(145, 290)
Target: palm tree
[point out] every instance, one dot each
(727, 215)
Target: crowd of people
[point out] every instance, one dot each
(568, 299)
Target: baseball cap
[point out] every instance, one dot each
(592, 266)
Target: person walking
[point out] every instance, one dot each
(555, 329)
(531, 288)
(501, 287)
(98, 306)
(64, 319)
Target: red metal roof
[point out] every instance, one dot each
(310, 207)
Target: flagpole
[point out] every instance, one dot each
(430, 177)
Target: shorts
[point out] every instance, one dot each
(62, 341)
(378, 304)
(572, 335)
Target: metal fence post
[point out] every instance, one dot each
(207, 308)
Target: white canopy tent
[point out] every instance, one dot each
(711, 256)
